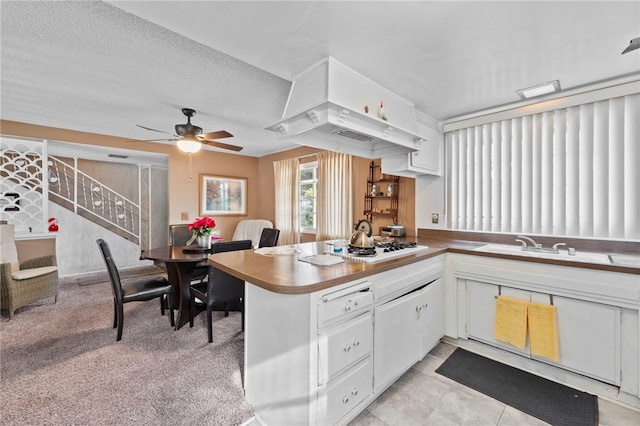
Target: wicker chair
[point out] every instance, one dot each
(26, 282)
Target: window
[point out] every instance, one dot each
(570, 171)
(308, 197)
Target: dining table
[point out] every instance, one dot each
(180, 262)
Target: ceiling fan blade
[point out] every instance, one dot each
(222, 145)
(153, 130)
(217, 135)
(151, 140)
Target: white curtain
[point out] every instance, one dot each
(335, 188)
(572, 171)
(287, 183)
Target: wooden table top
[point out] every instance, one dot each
(174, 254)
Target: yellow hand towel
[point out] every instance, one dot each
(511, 321)
(543, 331)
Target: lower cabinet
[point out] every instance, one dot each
(406, 329)
(589, 334)
(321, 358)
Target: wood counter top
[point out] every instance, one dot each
(285, 274)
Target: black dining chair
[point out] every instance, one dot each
(221, 288)
(179, 235)
(137, 291)
(269, 237)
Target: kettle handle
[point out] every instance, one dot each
(369, 226)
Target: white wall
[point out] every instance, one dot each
(430, 199)
(77, 250)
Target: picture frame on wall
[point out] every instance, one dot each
(223, 195)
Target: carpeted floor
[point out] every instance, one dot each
(60, 364)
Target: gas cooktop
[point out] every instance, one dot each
(381, 252)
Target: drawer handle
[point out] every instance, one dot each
(345, 399)
(356, 343)
(347, 308)
(354, 392)
(347, 348)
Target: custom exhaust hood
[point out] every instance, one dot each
(333, 107)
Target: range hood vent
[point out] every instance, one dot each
(353, 135)
(333, 107)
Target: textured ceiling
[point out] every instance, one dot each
(105, 67)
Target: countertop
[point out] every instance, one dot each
(285, 274)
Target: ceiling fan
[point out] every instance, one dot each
(190, 138)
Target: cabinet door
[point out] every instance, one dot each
(431, 315)
(396, 338)
(482, 301)
(588, 338)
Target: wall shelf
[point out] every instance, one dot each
(381, 198)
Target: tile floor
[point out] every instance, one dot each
(423, 397)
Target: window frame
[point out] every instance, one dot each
(314, 182)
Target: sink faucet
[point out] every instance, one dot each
(523, 240)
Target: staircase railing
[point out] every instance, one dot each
(85, 194)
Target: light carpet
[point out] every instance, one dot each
(60, 364)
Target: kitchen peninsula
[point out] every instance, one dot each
(313, 354)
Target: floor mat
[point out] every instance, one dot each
(549, 401)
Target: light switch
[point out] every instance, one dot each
(184, 216)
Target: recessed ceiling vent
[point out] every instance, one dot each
(332, 107)
(353, 135)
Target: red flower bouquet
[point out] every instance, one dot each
(202, 226)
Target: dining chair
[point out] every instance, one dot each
(179, 235)
(250, 229)
(137, 291)
(221, 288)
(269, 237)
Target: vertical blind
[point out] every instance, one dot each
(572, 171)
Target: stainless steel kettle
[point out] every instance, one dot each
(363, 235)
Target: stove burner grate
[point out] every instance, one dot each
(364, 252)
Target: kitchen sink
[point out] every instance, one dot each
(516, 250)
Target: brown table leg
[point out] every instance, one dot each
(179, 275)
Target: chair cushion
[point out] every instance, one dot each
(33, 272)
(145, 289)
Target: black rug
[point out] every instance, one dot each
(549, 401)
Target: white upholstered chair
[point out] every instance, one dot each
(251, 229)
(26, 282)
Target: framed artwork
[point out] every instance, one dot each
(223, 195)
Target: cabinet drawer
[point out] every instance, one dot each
(344, 345)
(345, 306)
(340, 397)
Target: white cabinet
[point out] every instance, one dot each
(406, 329)
(425, 161)
(589, 338)
(431, 316)
(590, 324)
(321, 358)
(397, 338)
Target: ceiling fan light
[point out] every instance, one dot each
(539, 90)
(189, 145)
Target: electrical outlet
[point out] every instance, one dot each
(184, 216)
(434, 217)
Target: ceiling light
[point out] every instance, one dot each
(189, 144)
(539, 90)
